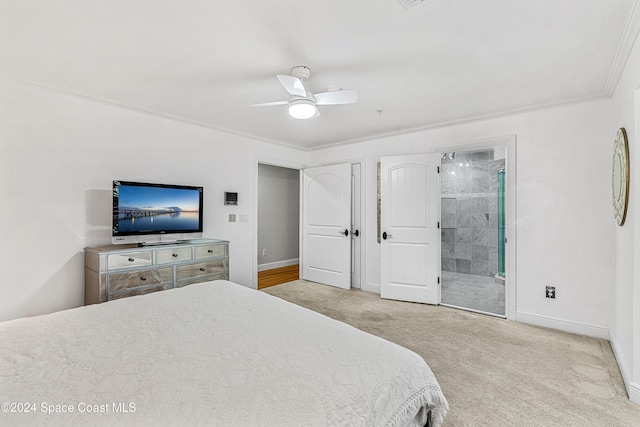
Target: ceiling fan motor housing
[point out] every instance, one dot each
(301, 72)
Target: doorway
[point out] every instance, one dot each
(279, 185)
(278, 218)
(473, 230)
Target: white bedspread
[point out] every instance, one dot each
(213, 353)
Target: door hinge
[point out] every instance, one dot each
(438, 169)
(438, 280)
(438, 224)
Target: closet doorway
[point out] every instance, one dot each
(278, 242)
(278, 225)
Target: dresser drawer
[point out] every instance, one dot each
(129, 260)
(140, 291)
(200, 269)
(135, 279)
(199, 279)
(166, 256)
(210, 251)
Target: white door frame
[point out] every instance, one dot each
(254, 222)
(356, 224)
(363, 226)
(509, 142)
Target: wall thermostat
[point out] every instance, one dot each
(230, 198)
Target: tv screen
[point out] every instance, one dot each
(142, 210)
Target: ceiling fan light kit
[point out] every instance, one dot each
(303, 104)
(302, 109)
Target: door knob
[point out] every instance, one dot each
(356, 233)
(386, 236)
(344, 233)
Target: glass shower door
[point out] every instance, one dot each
(501, 221)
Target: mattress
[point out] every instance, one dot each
(213, 353)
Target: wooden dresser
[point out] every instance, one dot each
(119, 271)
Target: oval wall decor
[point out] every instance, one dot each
(620, 176)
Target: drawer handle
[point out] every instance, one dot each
(174, 255)
(143, 278)
(131, 259)
(210, 251)
(202, 269)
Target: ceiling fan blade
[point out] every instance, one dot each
(336, 97)
(269, 104)
(293, 85)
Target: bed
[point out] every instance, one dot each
(213, 353)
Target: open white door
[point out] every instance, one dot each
(410, 216)
(326, 213)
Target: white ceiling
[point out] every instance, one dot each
(204, 61)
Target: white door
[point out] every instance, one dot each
(410, 215)
(326, 213)
(356, 227)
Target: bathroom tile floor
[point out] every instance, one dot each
(473, 292)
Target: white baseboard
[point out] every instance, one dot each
(633, 389)
(634, 392)
(278, 264)
(370, 287)
(564, 325)
(534, 319)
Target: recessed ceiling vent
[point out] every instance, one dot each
(408, 4)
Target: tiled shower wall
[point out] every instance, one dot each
(469, 186)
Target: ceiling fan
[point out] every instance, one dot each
(303, 104)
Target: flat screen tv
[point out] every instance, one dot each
(147, 213)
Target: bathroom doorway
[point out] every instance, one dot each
(473, 238)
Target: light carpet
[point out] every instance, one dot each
(494, 372)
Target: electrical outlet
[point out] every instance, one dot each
(232, 217)
(264, 252)
(551, 292)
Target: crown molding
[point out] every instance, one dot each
(91, 97)
(627, 42)
(469, 119)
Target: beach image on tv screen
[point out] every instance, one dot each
(152, 209)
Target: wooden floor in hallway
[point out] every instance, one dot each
(278, 275)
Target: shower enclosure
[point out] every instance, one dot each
(473, 227)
